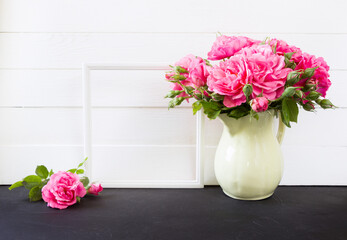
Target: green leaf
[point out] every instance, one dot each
(288, 92)
(173, 93)
(239, 112)
(73, 170)
(274, 48)
(198, 96)
(313, 95)
(35, 194)
(294, 110)
(30, 185)
(212, 105)
(32, 178)
(288, 55)
(44, 182)
(254, 114)
(171, 104)
(285, 119)
(85, 181)
(217, 97)
(175, 102)
(188, 90)
(16, 184)
(31, 181)
(289, 64)
(290, 111)
(208, 63)
(41, 171)
(308, 73)
(179, 69)
(81, 164)
(265, 41)
(179, 100)
(80, 171)
(196, 107)
(247, 90)
(179, 77)
(211, 109)
(51, 173)
(292, 78)
(211, 114)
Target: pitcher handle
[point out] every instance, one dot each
(281, 130)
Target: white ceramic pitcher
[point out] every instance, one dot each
(248, 161)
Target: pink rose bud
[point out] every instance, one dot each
(260, 104)
(95, 189)
(62, 190)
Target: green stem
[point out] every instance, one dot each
(192, 92)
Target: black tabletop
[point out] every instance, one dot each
(291, 213)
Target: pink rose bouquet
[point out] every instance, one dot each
(251, 77)
(60, 190)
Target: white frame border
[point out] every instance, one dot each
(87, 129)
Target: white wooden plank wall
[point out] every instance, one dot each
(44, 43)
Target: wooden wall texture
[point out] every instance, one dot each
(44, 43)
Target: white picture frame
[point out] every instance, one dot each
(198, 182)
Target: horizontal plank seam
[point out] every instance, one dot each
(105, 107)
(150, 145)
(293, 145)
(74, 69)
(95, 107)
(99, 145)
(228, 33)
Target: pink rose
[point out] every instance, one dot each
(260, 104)
(62, 190)
(228, 79)
(269, 74)
(95, 189)
(321, 74)
(256, 65)
(303, 61)
(226, 46)
(196, 76)
(282, 47)
(197, 71)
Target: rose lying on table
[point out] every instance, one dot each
(59, 190)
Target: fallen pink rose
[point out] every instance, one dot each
(95, 189)
(62, 190)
